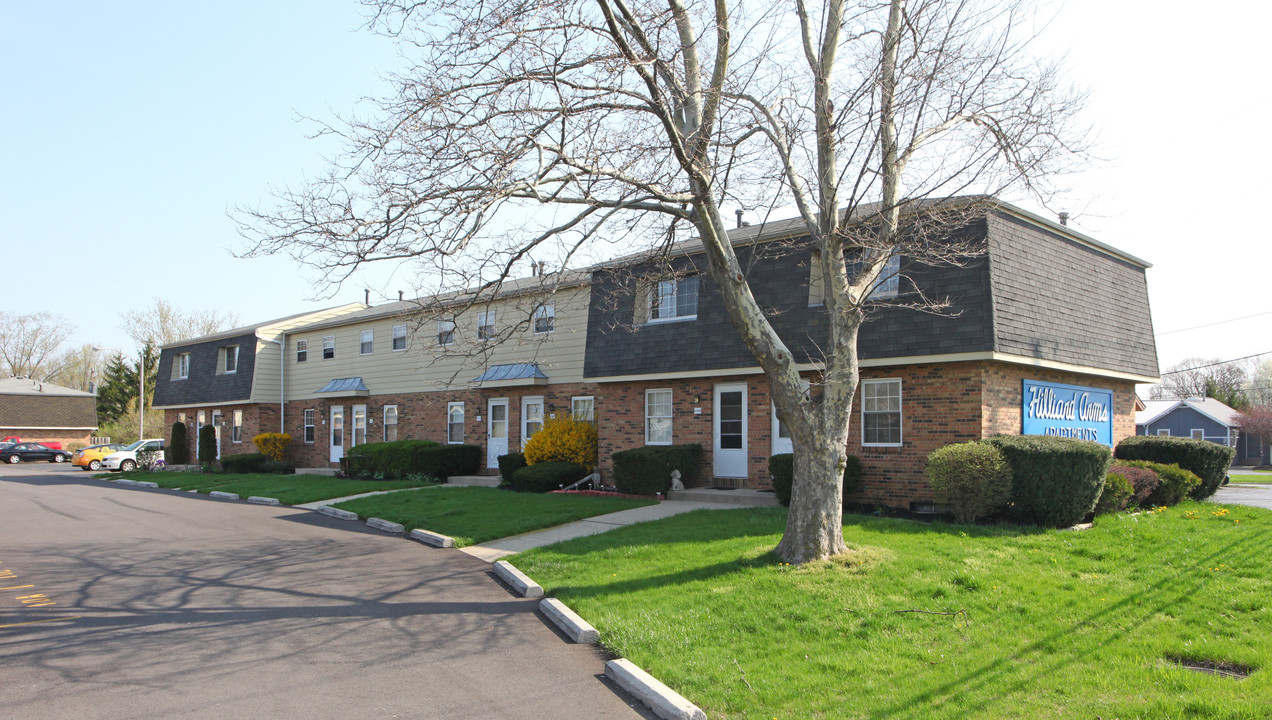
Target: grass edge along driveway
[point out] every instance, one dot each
(936, 620)
(288, 489)
(473, 515)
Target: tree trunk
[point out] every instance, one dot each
(814, 525)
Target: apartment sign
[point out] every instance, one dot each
(1071, 411)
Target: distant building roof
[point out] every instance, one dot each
(1210, 407)
(27, 386)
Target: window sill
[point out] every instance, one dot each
(662, 321)
(883, 445)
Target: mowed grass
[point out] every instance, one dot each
(923, 621)
(1262, 477)
(288, 489)
(474, 515)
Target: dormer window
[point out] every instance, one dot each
(675, 299)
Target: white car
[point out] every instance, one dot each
(126, 459)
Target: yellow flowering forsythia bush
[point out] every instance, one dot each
(273, 445)
(563, 440)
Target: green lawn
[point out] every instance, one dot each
(925, 621)
(1262, 477)
(473, 515)
(289, 489)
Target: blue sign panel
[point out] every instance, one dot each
(1072, 411)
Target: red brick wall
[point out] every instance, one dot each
(257, 419)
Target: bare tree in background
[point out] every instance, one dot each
(1202, 378)
(79, 368)
(31, 343)
(1259, 389)
(162, 323)
(635, 124)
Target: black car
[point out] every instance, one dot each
(19, 452)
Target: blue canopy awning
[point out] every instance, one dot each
(513, 374)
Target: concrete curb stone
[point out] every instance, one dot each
(258, 500)
(223, 495)
(524, 586)
(385, 525)
(337, 513)
(432, 538)
(665, 702)
(569, 621)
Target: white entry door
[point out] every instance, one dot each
(337, 433)
(496, 431)
(729, 432)
(531, 418)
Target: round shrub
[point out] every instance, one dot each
(1175, 483)
(273, 445)
(647, 470)
(547, 476)
(1055, 481)
(1117, 493)
(972, 478)
(1143, 482)
(563, 440)
(509, 464)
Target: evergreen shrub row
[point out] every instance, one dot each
(411, 457)
(1055, 481)
(1207, 460)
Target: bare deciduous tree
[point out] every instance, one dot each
(162, 323)
(30, 344)
(1201, 378)
(637, 122)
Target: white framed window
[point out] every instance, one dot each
(390, 423)
(181, 418)
(881, 412)
(181, 366)
(328, 347)
(399, 337)
(658, 417)
(359, 425)
(236, 430)
(309, 426)
(675, 299)
(531, 418)
(445, 332)
(229, 365)
(583, 408)
(544, 319)
(1198, 434)
(302, 350)
(486, 325)
(202, 416)
(1163, 432)
(455, 423)
(366, 343)
(1234, 436)
(889, 283)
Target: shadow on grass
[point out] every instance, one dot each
(981, 688)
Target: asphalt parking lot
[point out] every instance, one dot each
(131, 603)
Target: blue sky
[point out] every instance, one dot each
(130, 130)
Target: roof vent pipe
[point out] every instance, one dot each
(738, 212)
(399, 296)
(1064, 219)
(366, 297)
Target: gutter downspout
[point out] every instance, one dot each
(282, 383)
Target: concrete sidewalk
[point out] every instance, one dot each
(503, 547)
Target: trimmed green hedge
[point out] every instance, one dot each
(1209, 461)
(547, 476)
(509, 464)
(255, 463)
(647, 470)
(972, 478)
(1117, 493)
(1055, 481)
(409, 457)
(179, 445)
(782, 470)
(207, 444)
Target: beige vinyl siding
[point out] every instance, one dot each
(425, 366)
(266, 379)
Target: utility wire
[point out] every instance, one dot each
(1213, 364)
(1217, 322)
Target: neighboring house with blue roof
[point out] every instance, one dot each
(1201, 419)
